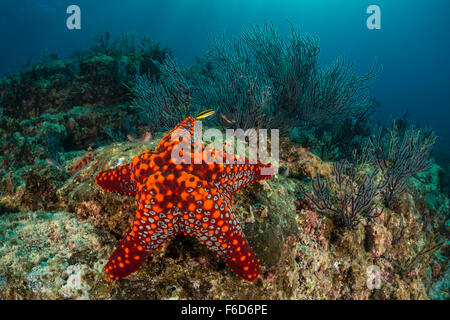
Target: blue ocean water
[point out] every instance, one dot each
(412, 44)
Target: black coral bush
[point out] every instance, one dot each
(400, 152)
(348, 197)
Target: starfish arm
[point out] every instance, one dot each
(240, 257)
(209, 217)
(126, 258)
(148, 232)
(117, 180)
(155, 222)
(236, 176)
(184, 127)
(226, 239)
(237, 172)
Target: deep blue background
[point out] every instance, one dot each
(413, 44)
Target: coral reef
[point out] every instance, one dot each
(303, 255)
(62, 122)
(49, 256)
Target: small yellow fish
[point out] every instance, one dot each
(205, 114)
(443, 291)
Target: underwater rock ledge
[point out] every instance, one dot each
(60, 253)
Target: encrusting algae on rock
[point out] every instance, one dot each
(303, 255)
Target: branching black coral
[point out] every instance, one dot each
(400, 154)
(348, 198)
(262, 63)
(167, 101)
(235, 86)
(239, 97)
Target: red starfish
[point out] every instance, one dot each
(188, 198)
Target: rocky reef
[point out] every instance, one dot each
(57, 251)
(61, 122)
